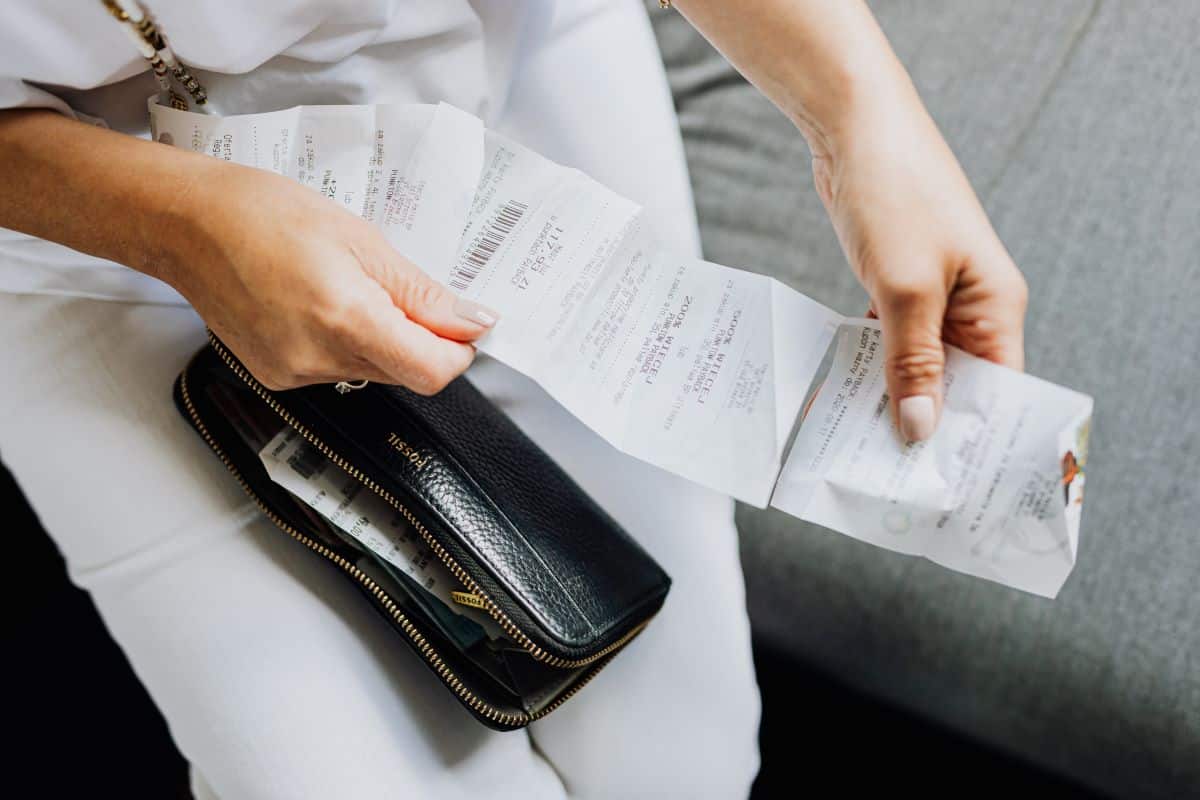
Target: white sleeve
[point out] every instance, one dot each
(16, 93)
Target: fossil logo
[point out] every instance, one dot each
(405, 449)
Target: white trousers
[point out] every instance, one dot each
(276, 678)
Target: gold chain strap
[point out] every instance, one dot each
(152, 44)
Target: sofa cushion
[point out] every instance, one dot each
(1079, 124)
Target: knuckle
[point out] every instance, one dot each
(343, 323)
(917, 364)
(905, 291)
(346, 330)
(425, 293)
(335, 311)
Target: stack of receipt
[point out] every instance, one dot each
(698, 368)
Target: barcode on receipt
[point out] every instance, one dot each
(307, 461)
(487, 243)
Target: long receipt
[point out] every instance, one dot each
(697, 368)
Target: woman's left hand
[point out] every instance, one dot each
(922, 246)
(908, 221)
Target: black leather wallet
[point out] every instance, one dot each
(547, 587)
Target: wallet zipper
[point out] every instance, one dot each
(427, 650)
(487, 603)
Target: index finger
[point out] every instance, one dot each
(410, 354)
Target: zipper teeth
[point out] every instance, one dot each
(497, 613)
(426, 649)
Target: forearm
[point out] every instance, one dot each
(825, 63)
(103, 193)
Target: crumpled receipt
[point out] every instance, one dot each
(996, 492)
(695, 367)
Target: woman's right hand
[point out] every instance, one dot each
(303, 291)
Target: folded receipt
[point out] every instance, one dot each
(698, 368)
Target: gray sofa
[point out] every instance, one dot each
(1078, 122)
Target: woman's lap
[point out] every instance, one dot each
(275, 677)
(676, 714)
(273, 673)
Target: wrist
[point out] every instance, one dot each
(859, 99)
(189, 220)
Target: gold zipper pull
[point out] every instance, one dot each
(468, 599)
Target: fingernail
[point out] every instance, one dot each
(986, 326)
(917, 417)
(474, 312)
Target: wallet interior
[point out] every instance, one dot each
(497, 680)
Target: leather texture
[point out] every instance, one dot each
(206, 376)
(571, 578)
(556, 563)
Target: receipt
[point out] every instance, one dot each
(692, 366)
(409, 169)
(672, 359)
(996, 492)
(365, 516)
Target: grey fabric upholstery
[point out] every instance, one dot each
(1079, 124)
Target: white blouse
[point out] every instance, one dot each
(251, 55)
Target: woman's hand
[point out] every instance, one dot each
(922, 246)
(300, 289)
(305, 292)
(910, 225)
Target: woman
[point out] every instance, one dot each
(275, 679)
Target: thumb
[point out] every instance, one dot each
(915, 358)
